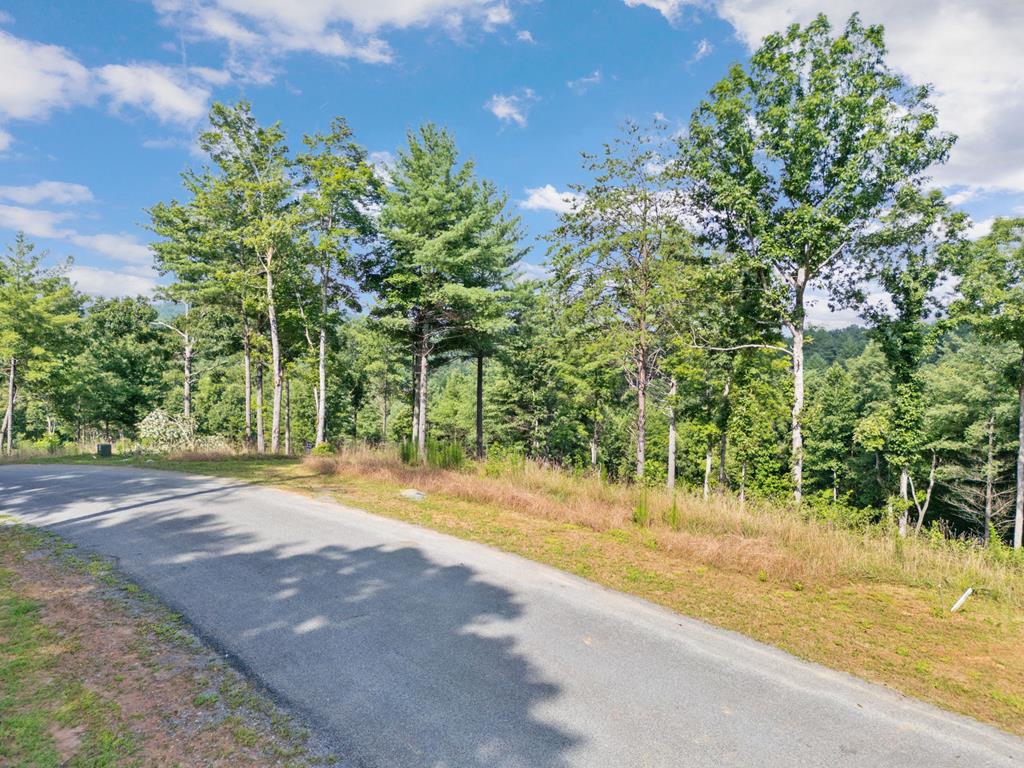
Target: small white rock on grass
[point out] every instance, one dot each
(413, 494)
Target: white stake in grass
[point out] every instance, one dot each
(963, 599)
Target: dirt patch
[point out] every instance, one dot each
(109, 677)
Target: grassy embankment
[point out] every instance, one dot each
(861, 602)
(95, 673)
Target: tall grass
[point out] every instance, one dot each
(758, 538)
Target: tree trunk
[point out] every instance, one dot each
(261, 446)
(988, 481)
(1018, 518)
(480, 405)
(247, 363)
(321, 400)
(187, 396)
(9, 419)
(743, 485)
(723, 438)
(641, 417)
(421, 413)
(708, 455)
(384, 410)
(275, 357)
(416, 396)
(287, 417)
(671, 478)
(797, 328)
(594, 438)
(905, 499)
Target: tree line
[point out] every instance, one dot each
(312, 297)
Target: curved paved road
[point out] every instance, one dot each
(406, 648)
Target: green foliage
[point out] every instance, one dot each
(162, 432)
(442, 455)
(408, 452)
(324, 449)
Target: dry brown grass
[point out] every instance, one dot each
(761, 539)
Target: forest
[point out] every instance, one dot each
(313, 300)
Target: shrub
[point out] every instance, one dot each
(324, 449)
(445, 455)
(407, 452)
(160, 431)
(502, 462)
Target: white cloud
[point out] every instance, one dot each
(547, 198)
(33, 222)
(970, 50)
(121, 247)
(511, 108)
(704, 49)
(582, 84)
(38, 79)
(59, 192)
(211, 76)
(528, 271)
(6, 18)
(156, 89)
(980, 228)
(497, 15)
(5, 140)
(341, 28)
(110, 283)
(525, 36)
(670, 9)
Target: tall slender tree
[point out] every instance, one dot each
(38, 306)
(340, 189)
(616, 251)
(790, 160)
(448, 249)
(254, 164)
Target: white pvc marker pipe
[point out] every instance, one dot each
(963, 599)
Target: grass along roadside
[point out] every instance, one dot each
(93, 672)
(864, 603)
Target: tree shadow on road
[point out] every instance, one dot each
(399, 660)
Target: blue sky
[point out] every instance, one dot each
(100, 102)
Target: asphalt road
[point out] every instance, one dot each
(403, 647)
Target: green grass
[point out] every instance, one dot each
(36, 699)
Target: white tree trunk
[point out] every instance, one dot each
(321, 394)
(287, 417)
(421, 411)
(671, 479)
(708, 456)
(904, 499)
(247, 365)
(416, 396)
(796, 327)
(275, 357)
(1018, 518)
(9, 418)
(187, 394)
(641, 417)
(260, 439)
(989, 472)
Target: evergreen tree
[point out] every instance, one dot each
(449, 249)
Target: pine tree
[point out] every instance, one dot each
(449, 249)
